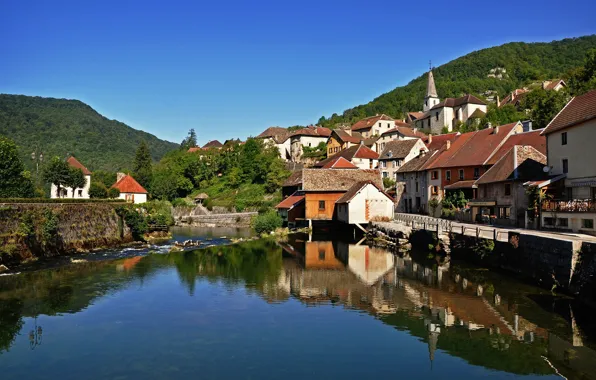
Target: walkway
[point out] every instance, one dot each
(481, 230)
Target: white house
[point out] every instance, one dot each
(359, 155)
(307, 137)
(396, 153)
(373, 126)
(363, 202)
(67, 192)
(402, 131)
(130, 189)
(280, 137)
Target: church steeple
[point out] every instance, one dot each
(431, 99)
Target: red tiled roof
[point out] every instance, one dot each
(194, 149)
(313, 131)
(338, 162)
(127, 184)
(468, 184)
(212, 144)
(74, 163)
(356, 151)
(344, 136)
(529, 163)
(578, 110)
(290, 201)
(456, 102)
(533, 138)
(405, 130)
(554, 83)
(513, 96)
(416, 115)
(351, 193)
(369, 122)
(439, 140)
(272, 132)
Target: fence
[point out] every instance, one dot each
(418, 222)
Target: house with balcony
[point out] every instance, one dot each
(570, 138)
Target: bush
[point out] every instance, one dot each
(98, 190)
(388, 183)
(266, 223)
(59, 200)
(113, 193)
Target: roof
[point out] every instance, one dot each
(416, 163)
(369, 122)
(405, 130)
(355, 189)
(344, 136)
(431, 90)
(519, 163)
(272, 132)
(74, 163)
(202, 196)
(512, 96)
(545, 182)
(337, 179)
(415, 115)
(213, 144)
(474, 148)
(398, 149)
(356, 151)
(338, 162)
(550, 85)
(579, 109)
(290, 201)
(468, 184)
(437, 141)
(532, 138)
(194, 149)
(295, 179)
(456, 102)
(315, 131)
(127, 184)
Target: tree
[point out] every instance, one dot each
(433, 204)
(98, 190)
(58, 173)
(107, 178)
(76, 180)
(14, 181)
(248, 159)
(276, 176)
(583, 79)
(142, 165)
(190, 141)
(113, 193)
(544, 105)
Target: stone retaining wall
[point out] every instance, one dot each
(218, 220)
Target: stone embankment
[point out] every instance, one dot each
(199, 216)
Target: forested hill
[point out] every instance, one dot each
(524, 62)
(61, 126)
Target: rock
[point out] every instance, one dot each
(3, 268)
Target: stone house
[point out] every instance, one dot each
(130, 189)
(67, 192)
(359, 155)
(398, 152)
(412, 190)
(311, 137)
(280, 138)
(402, 131)
(570, 139)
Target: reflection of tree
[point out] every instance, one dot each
(11, 322)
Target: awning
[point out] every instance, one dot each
(482, 203)
(545, 182)
(584, 183)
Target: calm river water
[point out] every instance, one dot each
(294, 310)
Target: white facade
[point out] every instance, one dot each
(133, 197)
(448, 117)
(297, 142)
(365, 163)
(378, 128)
(283, 147)
(389, 166)
(368, 203)
(67, 192)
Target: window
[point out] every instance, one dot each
(321, 205)
(429, 123)
(484, 191)
(549, 222)
(80, 193)
(448, 175)
(461, 174)
(504, 212)
(309, 145)
(436, 116)
(435, 190)
(563, 222)
(476, 173)
(564, 138)
(388, 125)
(593, 193)
(588, 223)
(321, 253)
(507, 189)
(569, 193)
(383, 164)
(399, 162)
(565, 165)
(370, 164)
(434, 174)
(384, 174)
(417, 187)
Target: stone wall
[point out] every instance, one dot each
(218, 220)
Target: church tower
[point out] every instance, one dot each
(431, 99)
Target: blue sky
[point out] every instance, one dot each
(233, 68)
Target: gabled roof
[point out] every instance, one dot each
(416, 163)
(337, 179)
(74, 163)
(273, 131)
(213, 144)
(406, 130)
(550, 85)
(344, 136)
(477, 114)
(415, 115)
(369, 122)
(295, 179)
(578, 110)
(519, 163)
(513, 96)
(127, 184)
(398, 149)
(314, 131)
(456, 102)
(437, 141)
(356, 151)
(194, 149)
(467, 184)
(355, 189)
(338, 162)
(532, 138)
(291, 201)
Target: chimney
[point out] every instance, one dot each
(119, 176)
(496, 130)
(430, 138)
(422, 152)
(448, 145)
(489, 125)
(415, 130)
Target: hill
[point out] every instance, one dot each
(62, 126)
(524, 63)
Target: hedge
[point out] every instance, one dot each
(60, 200)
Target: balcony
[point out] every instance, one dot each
(576, 205)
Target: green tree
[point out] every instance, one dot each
(76, 180)
(98, 190)
(14, 181)
(583, 79)
(248, 159)
(57, 172)
(190, 141)
(142, 165)
(276, 176)
(105, 177)
(113, 193)
(544, 105)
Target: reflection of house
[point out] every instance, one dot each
(570, 140)
(359, 155)
(321, 255)
(369, 264)
(67, 192)
(130, 189)
(363, 202)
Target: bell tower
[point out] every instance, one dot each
(431, 99)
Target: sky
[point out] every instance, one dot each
(233, 68)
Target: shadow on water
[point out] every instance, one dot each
(482, 318)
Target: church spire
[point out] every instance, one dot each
(431, 90)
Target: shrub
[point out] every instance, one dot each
(267, 222)
(181, 202)
(113, 193)
(388, 183)
(59, 200)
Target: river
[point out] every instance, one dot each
(309, 307)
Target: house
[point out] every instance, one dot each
(279, 137)
(448, 113)
(215, 144)
(362, 202)
(514, 97)
(291, 209)
(130, 189)
(373, 125)
(338, 162)
(292, 184)
(412, 188)
(555, 84)
(341, 139)
(310, 137)
(570, 139)
(437, 142)
(398, 152)
(402, 131)
(501, 192)
(359, 155)
(67, 192)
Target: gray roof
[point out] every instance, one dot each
(338, 179)
(397, 149)
(416, 163)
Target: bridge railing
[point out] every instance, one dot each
(425, 222)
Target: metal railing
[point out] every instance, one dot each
(575, 205)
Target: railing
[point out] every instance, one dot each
(576, 205)
(422, 221)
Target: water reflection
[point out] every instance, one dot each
(462, 312)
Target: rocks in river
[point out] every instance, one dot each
(188, 243)
(77, 261)
(3, 268)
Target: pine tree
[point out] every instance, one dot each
(14, 182)
(142, 166)
(189, 141)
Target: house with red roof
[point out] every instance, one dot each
(373, 125)
(280, 138)
(130, 189)
(402, 131)
(310, 137)
(359, 155)
(67, 192)
(570, 138)
(292, 209)
(341, 139)
(363, 202)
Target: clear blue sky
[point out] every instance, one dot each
(233, 68)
